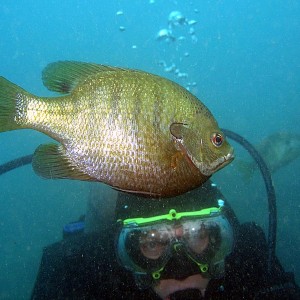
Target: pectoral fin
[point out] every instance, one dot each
(138, 193)
(50, 161)
(176, 158)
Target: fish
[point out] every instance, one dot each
(133, 130)
(278, 150)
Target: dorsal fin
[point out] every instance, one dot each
(63, 76)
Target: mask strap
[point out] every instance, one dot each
(156, 274)
(203, 267)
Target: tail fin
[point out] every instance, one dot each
(9, 93)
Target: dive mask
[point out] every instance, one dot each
(145, 245)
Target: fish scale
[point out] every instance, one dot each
(133, 130)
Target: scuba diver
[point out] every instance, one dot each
(187, 247)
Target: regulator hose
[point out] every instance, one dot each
(16, 163)
(266, 174)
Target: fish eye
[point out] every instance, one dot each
(217, 139)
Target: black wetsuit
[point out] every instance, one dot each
(85, 267)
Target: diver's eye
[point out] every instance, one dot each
(217, 139)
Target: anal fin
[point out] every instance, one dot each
(49, 161)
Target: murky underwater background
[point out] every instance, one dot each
(241, 58)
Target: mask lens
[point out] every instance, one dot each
(146, 248)
(197, 237)
(154, 243)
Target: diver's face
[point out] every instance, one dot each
(181, 278)
(177, 256)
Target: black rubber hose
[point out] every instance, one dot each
(16, 163)
(270, 193)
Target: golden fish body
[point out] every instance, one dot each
(132, 130)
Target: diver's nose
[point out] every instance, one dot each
(178, 231)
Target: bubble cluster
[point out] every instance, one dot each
(177, 19)
(178, 30)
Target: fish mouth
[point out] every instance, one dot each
(219, 163)
(223, 161)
